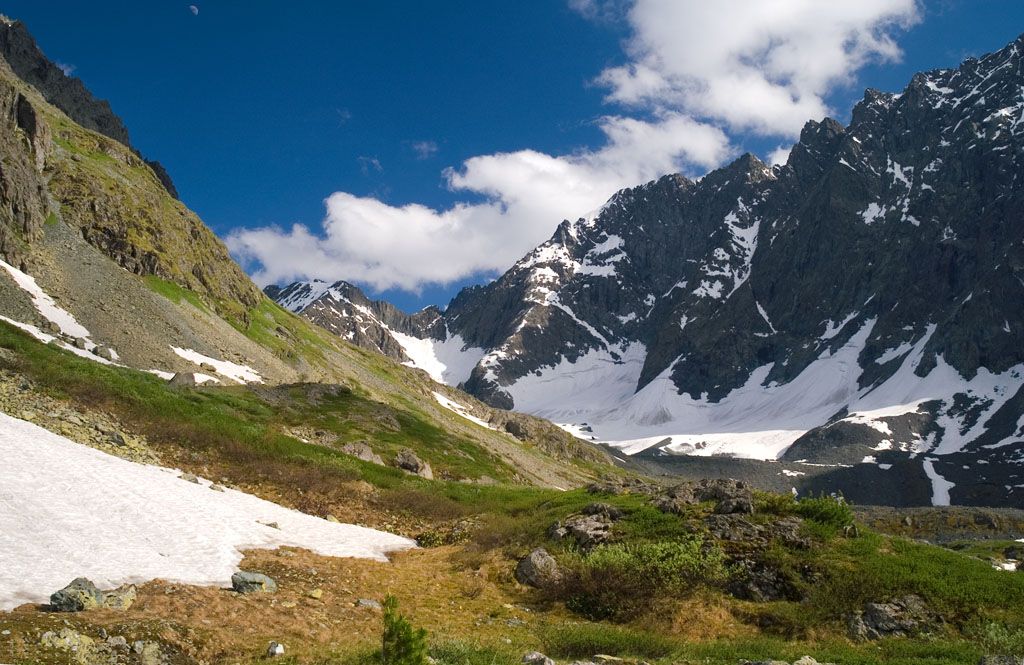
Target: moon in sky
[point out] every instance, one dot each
(194, 9)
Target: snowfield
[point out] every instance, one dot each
(70, 511)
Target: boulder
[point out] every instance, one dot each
(735, 505)
(1015, 552)
(121, 598)
(366, 602)
(539, 569)
(761, 582)
(410, 462)
(246, 582)
(735, 528)
(362, 451)
(587, 530)
(183, 380)
(904, 616)
(80, 595)
(104, 352)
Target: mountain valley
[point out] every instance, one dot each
(197, 472)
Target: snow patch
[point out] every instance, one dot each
(239, 373)
(131, 523)
(459, 409)
(45, 305)
(940, 486)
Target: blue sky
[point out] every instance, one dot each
(447, 139)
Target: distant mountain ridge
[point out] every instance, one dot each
(862, 302)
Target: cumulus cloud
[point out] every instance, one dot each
(696, 72)
(406, 247)
(761, 66)
(66, 68)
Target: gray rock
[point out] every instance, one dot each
(1015, 552)
(366, 602)
(1001, 660)
(121, 598)
(275, 649)
(587, 530)
(907, 615)
(606, 510)
(409, 461)
(735, 528)
(104, 352)
(80, 343)
(536, 658)
(183, 380)
(246, 582)
(80, 595)
(761, 582)
(539, 569)
(363, 452)
(735, 505)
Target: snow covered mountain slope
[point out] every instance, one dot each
(864, 300)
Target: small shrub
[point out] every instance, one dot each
(774, 504)
(830, 511)
(619, 581)
(1000, 639)
(401, 644)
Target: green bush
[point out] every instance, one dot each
(774, 504)
(1000, 639)
(830, 511)
(401, 644)
(619, 581)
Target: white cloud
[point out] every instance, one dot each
(424, 149)
(367, 241)
(755, 66)
(66, 68)
(695, 70)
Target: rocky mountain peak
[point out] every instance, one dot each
(69, 94)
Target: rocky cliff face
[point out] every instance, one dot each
(70, 95)
(864, 300)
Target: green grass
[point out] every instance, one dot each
(173, 292)
(581, 641)
(235, 423)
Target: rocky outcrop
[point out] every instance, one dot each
(25, 143)
(408, 461)
(899, 617)
(80, 595)
(68, 94)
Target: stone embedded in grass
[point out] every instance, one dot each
(80, 595)
(536, 658)
(539, 569)
(275, 649)
(366, 602)
(246, 582)
(409, 461)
